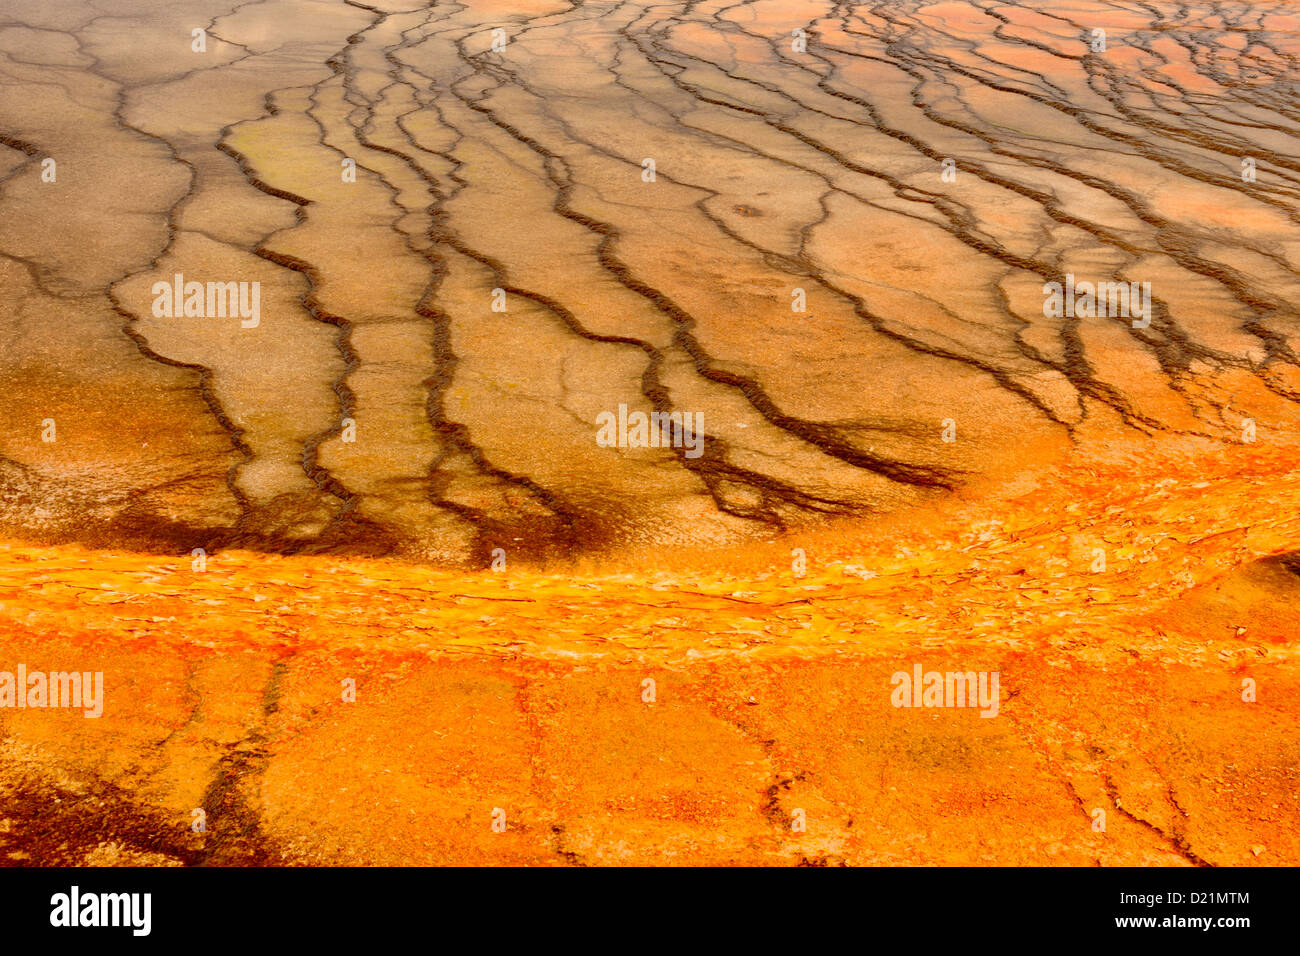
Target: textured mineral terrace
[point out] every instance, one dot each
(824, 230)
(522, 170)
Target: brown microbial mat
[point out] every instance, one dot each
(623, 432)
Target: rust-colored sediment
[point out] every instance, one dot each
(1110, 527)
(524, 690)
